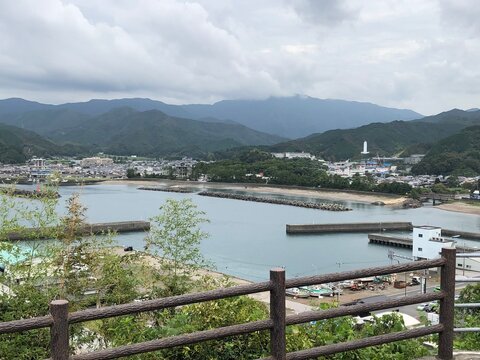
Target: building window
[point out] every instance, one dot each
(420, 249)
(420, 235)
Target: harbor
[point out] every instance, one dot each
(245, 242)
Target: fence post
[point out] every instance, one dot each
(59, 346)
(277, 313)
(447, 313)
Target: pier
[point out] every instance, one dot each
(406, 242)
(390, 240)
(86, 229)
(348, 227)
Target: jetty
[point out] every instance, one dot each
(304, 204)
(166, 189)
(406, 242)
(86, 229)
(347, 227)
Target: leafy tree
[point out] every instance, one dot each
(176, 236)
(40, 271)
(468, 318)
(131, 173)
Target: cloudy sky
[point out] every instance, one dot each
(417, 54)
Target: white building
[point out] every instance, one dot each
(428, 242)
(96, 161)
(38, 162)
(294, 155)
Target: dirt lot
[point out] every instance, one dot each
(350, 295)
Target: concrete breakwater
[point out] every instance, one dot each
(86, 229)
(373, 226)
(165, 189)
(461, 234)
(347, 227)
(304, 204)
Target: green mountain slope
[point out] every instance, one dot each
(458, 154)
(18, 145)
(152, 133)
(394, 138)
(45, 121)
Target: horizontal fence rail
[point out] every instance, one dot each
(463, 279)
(60, 319)
(173, 301)
(355, 274)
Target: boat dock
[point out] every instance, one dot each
(390, 240)
(405, 242)
(86, 229)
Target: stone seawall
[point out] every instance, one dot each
(304, 204)
(166, 189)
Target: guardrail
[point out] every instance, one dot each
(60, 319)
(467, 305)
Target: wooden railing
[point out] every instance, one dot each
(59, 318)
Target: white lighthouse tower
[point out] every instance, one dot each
(365, 151)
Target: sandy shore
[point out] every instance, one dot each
(460, 207)
(254, 188)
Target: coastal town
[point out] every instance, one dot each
(379, 169)
(237, 180)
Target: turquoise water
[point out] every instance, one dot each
(248, 238)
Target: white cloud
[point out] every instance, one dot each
(419, 55)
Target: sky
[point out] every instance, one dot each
(422, 55)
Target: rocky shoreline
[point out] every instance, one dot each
(304, 204)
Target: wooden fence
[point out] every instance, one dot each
(60, 319)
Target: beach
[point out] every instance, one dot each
(389, 200)
(460, 207)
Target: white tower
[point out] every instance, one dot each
(365, 151)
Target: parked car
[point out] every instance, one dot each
(428, 307)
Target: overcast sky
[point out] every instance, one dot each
(418, 54)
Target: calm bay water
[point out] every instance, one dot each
(248, 238)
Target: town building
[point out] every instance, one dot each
(294, 155)
(95, 161)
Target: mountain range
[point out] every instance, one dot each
(125, 131)
(288, 117)
(142, 129)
